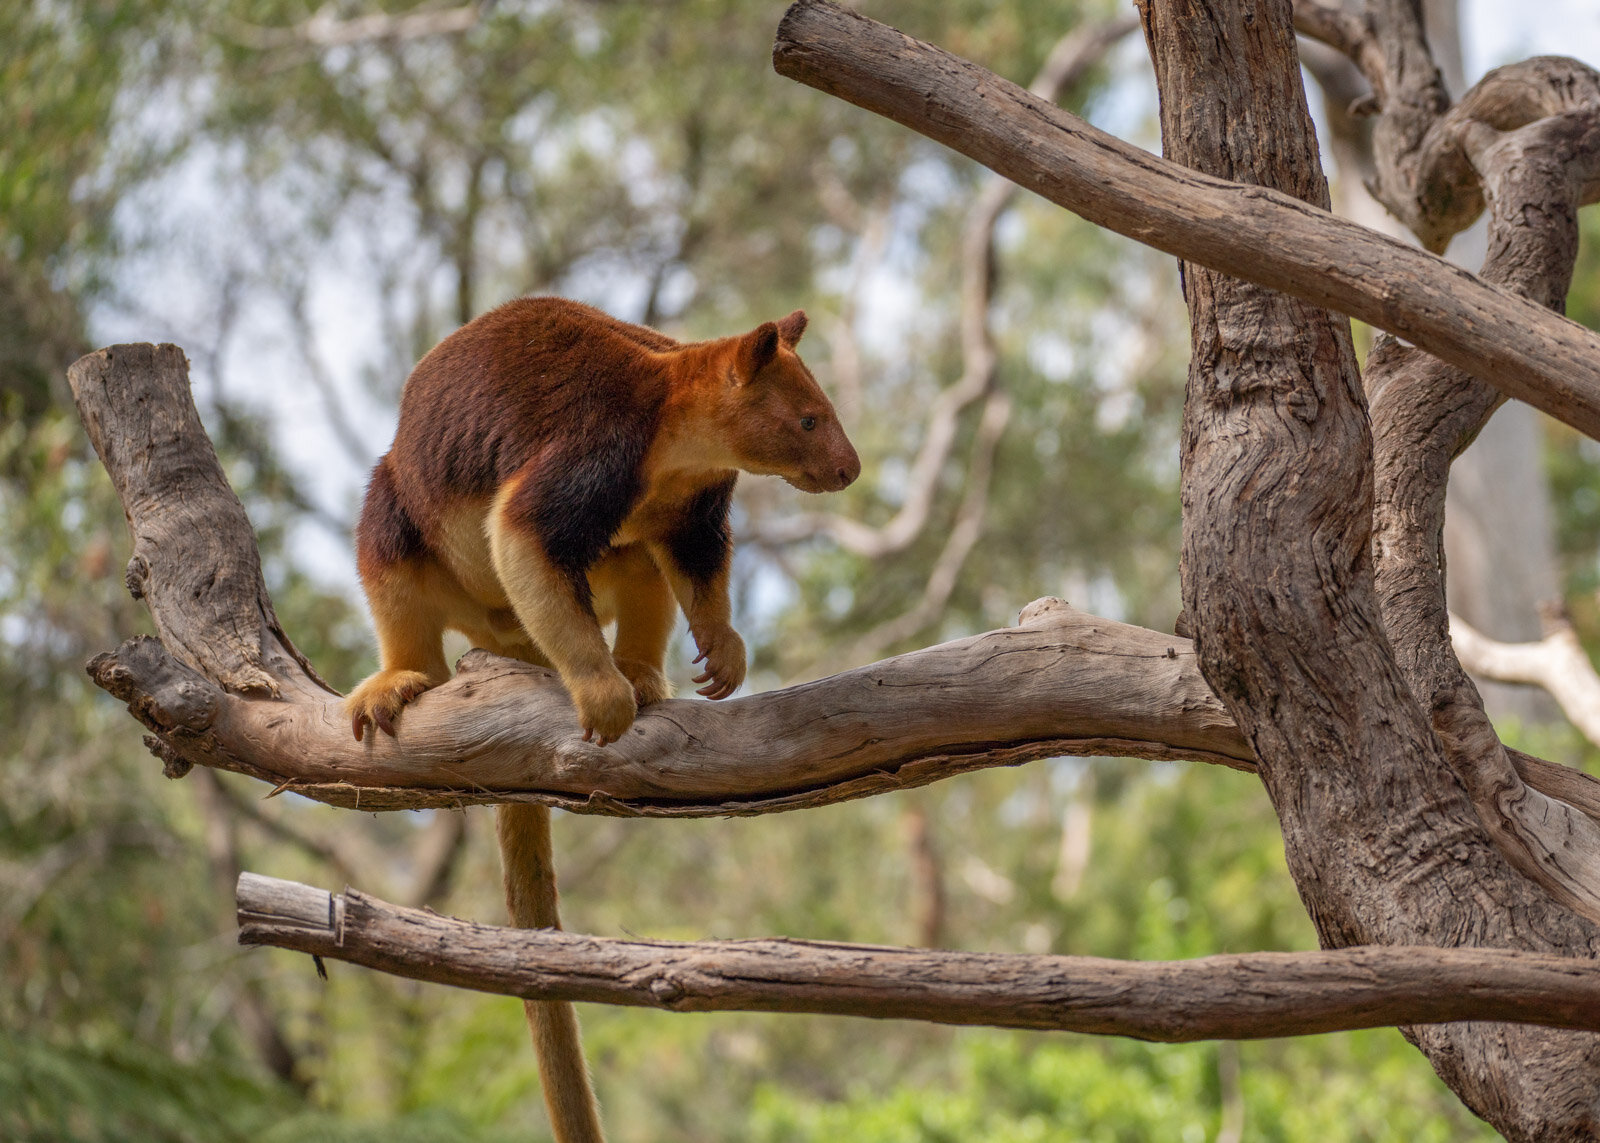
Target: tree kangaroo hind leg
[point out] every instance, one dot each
(410, 623)
(553, 606)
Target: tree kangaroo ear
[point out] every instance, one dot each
(757, 349)
(792, 327)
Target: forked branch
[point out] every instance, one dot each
(225, 688)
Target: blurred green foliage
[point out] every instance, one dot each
(641, 154)
(1011, 1090)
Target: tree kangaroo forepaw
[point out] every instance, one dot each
(379, 700)
(649, 684)
(722, 652)
(606, 706)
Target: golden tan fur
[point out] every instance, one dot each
(555, 470)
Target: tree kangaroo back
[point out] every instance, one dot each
(555, 470)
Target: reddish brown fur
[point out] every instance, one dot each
(559, 396)
(554, 469)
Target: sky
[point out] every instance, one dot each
(1495, 32)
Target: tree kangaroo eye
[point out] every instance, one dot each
(808, 423)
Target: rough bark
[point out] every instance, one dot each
(209, 603)
(1528, 165)
(1247, 996)
(1382, 840)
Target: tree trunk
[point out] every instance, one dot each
(1278, 497)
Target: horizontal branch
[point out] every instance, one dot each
(1245, 996)
(225, 688)
(1251, 232)
(1064, 682)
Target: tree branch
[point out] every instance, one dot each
(227, 689)
(1558, 663)
(1425, 412)
(195, 562)
(1345, 31)
(1247, 996)
(504, 731)
(1251, 232)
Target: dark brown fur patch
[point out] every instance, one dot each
(386, 534)
(702, 544)
(551, 390)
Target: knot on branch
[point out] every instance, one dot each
(1043, 609)
(161, 692)
(667, 991)
(137, 574)
(173, 764)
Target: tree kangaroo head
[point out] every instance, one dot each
(776, 418)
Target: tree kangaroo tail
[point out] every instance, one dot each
(530, 880)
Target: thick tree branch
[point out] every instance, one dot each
(1062, 683)
(1425, 412)
(1219, 997)
(209, 603)
(1251, 232)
